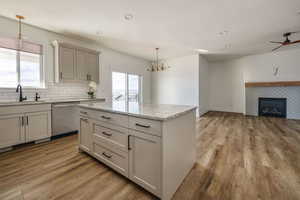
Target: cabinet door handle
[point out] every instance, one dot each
(107, 134)
(60, 75)
(107, 156)
(141, 125)
(22, 121)
(85, 113)
(27, 120)
(128, 138)
(88, 77)
(104, 117)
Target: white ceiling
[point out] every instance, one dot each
(176, 26)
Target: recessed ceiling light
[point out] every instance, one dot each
(128, 16)
(202, 50)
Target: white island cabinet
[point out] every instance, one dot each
(152, 145)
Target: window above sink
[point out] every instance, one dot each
(21, 66)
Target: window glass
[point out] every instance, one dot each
(119, 86)
(8, 68)
(126, 87)
(30, 69)
(20, 66)
(133, 88)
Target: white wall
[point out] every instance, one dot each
(226, 87)
(180, 83)
(227, 78)
(203, 85)
(261, 67)
(114, 61)
(108, 59)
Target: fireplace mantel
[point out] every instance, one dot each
(272, 84)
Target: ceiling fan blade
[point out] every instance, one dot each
(294, 42)
(276, 42)
(277, 47)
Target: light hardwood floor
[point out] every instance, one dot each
(239, 158)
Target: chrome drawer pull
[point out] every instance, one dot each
(107, 156)
(144, 126)
(85, 113)
(104, 117)
(107, 134)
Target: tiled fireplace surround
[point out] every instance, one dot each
(292, 94)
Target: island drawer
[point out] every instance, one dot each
(110, 136)
(146, 125)
(116, 160)
(113, 118)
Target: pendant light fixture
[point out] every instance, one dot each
(157, 66)
(20, 42)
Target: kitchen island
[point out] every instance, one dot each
(152, 145)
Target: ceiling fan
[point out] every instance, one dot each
(287, 40)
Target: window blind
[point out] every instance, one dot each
(26, 46)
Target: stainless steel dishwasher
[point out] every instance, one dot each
(64, 118)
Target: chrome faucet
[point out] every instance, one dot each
(19, 89)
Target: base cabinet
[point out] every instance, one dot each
(21, 124)
(157, 155)
(134, 154)
(11, 130)
(85, 134)
(145, 161)
(38, 126)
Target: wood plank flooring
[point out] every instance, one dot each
(239, 158)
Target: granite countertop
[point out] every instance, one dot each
(47, 101)
(149, 111)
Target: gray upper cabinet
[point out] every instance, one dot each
(66, 63)
(93, 66)
(81, 66)
(87, 65)
(75, 63)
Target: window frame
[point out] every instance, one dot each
(140, 96)
(18, 66)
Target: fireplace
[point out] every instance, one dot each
(273, 107)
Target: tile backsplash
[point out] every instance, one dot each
(53, 91)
